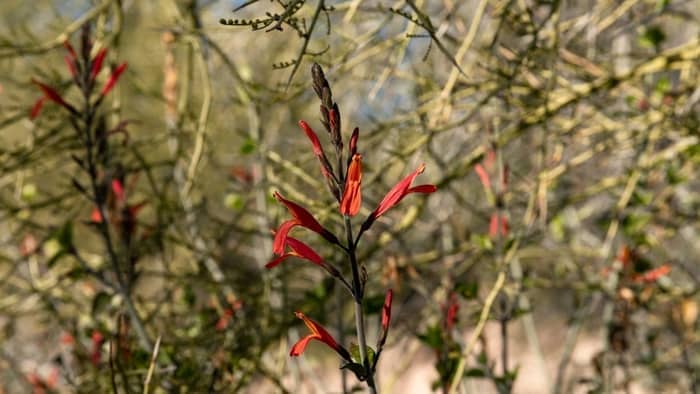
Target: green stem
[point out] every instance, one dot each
(359, 316)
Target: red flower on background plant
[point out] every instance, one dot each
(74, 68)
(97, 340)
(123, 214)
(451, 311)
(386, 318)
(303, 218)
(653, 274)
(320, 334)
(397, 193)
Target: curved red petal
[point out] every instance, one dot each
(313, 137)
(397, 193)
(299, 347)
(304, 251)
(281, 236)
(300, 213)
(113, 79)
(278, 260)
(386, 309)
(97, 63)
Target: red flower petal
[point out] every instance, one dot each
(304, 251)
(299, 249)
(653, 275)
(97, 63)
(386, 309)
(36, 108)
(281, 236)
(113, 79)
(303, 218)
(51, 94)
(95, 216)
(352, 196)
(493, 225)
(318, 333)
(483, 176)
(313, 137)
(299, 347)
(118, 190)
(397, 193)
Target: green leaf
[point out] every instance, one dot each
(468, 290)
(663, 85)
(652, 37)
(432, 337)
(355, 353)
(248, 146)
(100, 301)
(234, 201)
(474, 373)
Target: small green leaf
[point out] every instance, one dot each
(474, 373)
(652, 37)
(468, 290)
(355, 353)
(234, 201)
(248, 146)
(432, 337)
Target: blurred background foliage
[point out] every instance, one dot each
(588, 108)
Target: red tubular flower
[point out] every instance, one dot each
(483, 176)
(386, 309)
(303, 218)
(97, 340)
(397, 194)
(97, 63)
(299, 249)
(36, 108)
(320, 334)
(352, 196)
(51, 94)
(113, 79)
(326, 168)
(653, 274)
(451, 310)
(498, 224)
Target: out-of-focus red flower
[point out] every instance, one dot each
(317, 333)
(121, 213)
(451, 310)
(28, 245)
(386, 320)
(352, 196)
(97, 63)
(397, 193)
(498, 225)
(298, 249)
(67, 339)
(224, 320)
(97, 340)
(386, 309)
(653, 274)
(113, 79)
(50, 94)
(483, 176)
(303, 218)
